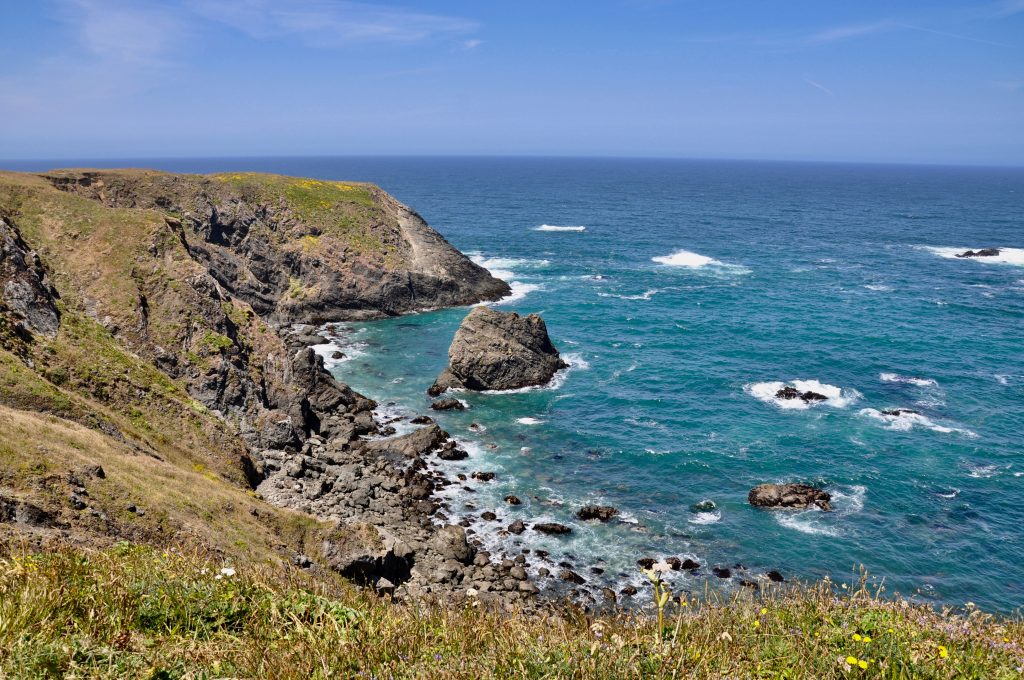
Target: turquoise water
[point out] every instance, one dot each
(826, 273)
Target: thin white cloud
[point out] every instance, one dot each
(1007, 8)
(472, 44)
(851, 31)
(329, 23)
(819, 86)
(123, 31)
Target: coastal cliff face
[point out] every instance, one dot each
(148, 382)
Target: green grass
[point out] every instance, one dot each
(132, 612)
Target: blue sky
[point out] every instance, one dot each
(932, 82)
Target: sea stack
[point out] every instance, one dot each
(499, 351)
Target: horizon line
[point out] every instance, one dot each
(538, 156)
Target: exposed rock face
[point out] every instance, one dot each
(799, 496)
(301, 250)
(24, 287)
(983, 252)
(499, 351)
(448, 405)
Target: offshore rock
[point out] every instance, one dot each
(984, 252)
(798, 496)
(499, 351)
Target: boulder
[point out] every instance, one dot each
(512, 500)
(448, 405)
(483, 476)
(450, 542)
(499, 351)
(598, 512)
(900, 412)
(517, 527)
(798, 496)
(416, 443)
(572, 577)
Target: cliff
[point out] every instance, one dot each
(147, 388)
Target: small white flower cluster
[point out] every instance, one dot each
(225, 572)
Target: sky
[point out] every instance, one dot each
(895, 81)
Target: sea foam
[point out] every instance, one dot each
(684, 258)
(509, 270)
(836, 397)
(909, 379)
(553, 227)
(1013, 256)
(904, 421)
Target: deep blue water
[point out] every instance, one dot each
(807, 272)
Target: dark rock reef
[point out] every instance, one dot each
(499, 351)
(798, 496)
(982, 252)
(790, 392)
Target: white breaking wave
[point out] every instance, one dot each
(575, 361)
(684, 258)
(846, 501)
(1014, 256)
(529, 421)
(552, 227)
(646, 295)
(909, 379)
(904, 420)
(504, 268)
(984, 471)
(878, 287)
(834, 396)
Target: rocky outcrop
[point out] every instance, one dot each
(790, 392)
(798, 496)
(983, 252)
(499, 351)
(599, 512)
(25, 290)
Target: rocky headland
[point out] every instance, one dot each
(155, 328)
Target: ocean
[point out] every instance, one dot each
(684, 294)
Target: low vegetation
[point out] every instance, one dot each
(139, 612)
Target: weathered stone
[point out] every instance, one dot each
(798, 496)
(498, 351)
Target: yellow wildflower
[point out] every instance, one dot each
(943, 652)
(863, 664)
(856, 637)
(852, 660)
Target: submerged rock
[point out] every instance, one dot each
(797, 496)
(499, 351)
(900, 412)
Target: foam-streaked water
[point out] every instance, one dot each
(685, 294)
